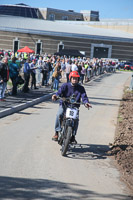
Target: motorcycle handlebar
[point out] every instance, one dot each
(64, 99)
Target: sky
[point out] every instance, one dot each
(108, 9)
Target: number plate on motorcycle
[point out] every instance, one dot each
(71, 113)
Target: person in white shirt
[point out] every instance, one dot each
(74, 66)
(68, 69)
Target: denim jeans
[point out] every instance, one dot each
(60, 112)
(56, 84)
(2, 89)
(82, 78)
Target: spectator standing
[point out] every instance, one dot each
(39, 69)
(33, 74)
(26, 76)
(86, 67)
(4, 77)
(45, 69)
(89, 71)
(52, 78)
(25, 56)
(83, 72)
(63, 68)
(49, 66)
(74, 66)
(56, 75)
(79, 68)
(68, 69)
(13, 73)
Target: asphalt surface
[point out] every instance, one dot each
(31, 165)
(22, 100)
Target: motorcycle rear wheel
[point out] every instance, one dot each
(66, 140)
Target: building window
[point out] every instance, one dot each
(38, 47)
(101, 50)
(64, 17)
(52, 17)
(60, 46)
(15, 45)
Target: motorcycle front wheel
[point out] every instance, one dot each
(66, 140)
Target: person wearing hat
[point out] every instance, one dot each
(67, 90)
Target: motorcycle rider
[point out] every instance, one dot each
(66, 90)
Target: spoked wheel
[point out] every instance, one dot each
(66, 140)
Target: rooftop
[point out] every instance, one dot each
(45, 27)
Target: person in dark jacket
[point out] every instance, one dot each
(45, 70)
(67, 90)
(13, 73)
(4, 77)
(33, 74)
(26, 76)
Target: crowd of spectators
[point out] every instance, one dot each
(48, 70)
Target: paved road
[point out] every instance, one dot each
(31, 166)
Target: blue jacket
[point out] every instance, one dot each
(27, 68)
(13, 70)
(67, 90)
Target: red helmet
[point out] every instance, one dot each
(73, 74)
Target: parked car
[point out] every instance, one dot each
(128, 66)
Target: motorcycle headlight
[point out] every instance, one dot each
(72, 100)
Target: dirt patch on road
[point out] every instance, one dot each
(122, 149)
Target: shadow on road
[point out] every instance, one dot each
(25, 189)
(88, 151)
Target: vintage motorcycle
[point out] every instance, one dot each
(68, 123)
